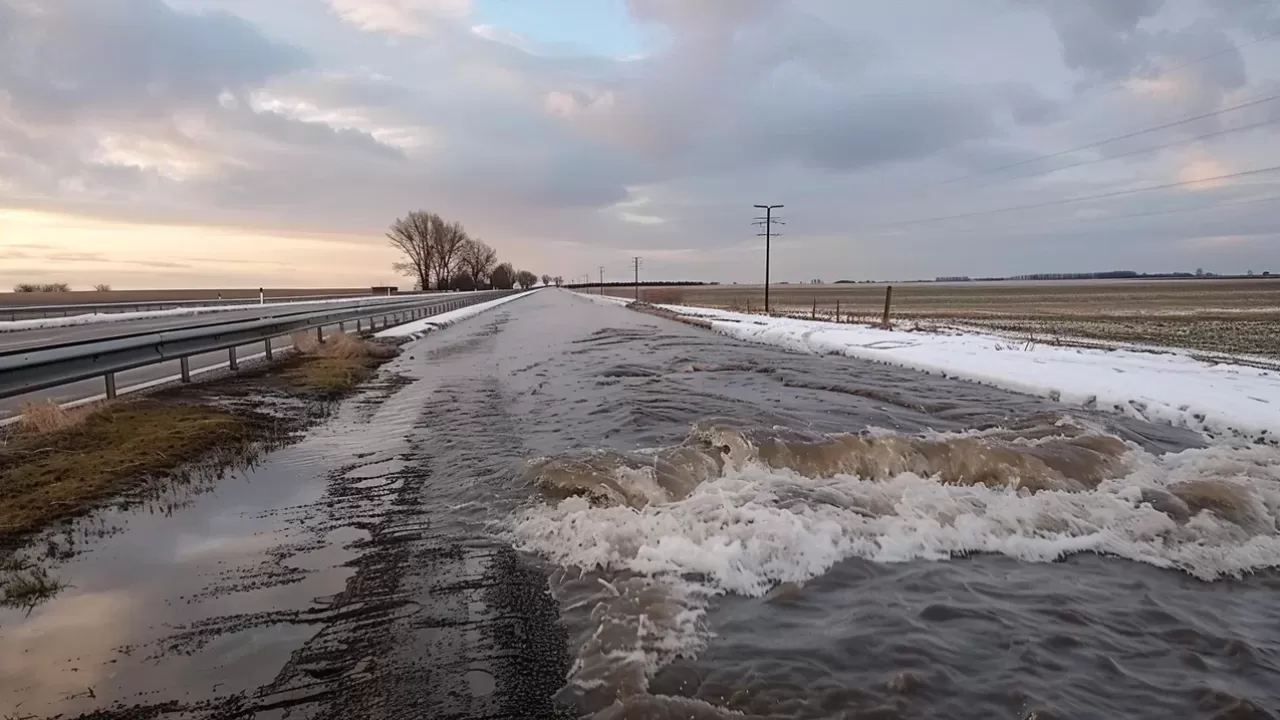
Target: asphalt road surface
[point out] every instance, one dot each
(541, 512)
(36, 338)
(40, 337)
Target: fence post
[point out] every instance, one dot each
(888, 300)
(837, 311)
(814, 314)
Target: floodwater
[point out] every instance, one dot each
(567, 509)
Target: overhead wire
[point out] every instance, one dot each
(1107, 141)
(1081, 198)
(1129, 216)
(1153, 148)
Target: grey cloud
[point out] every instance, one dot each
(62, 58)
(850, 132)
(1260, 18)
(1100, 37)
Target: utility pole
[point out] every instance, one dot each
(635, 262)
(602, 280)
(767, 222)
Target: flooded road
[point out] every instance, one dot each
(567, 509)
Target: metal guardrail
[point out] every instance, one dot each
(28, 370)
(34, 312)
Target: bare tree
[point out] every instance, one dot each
(526, 279)
(558, 280)
(412, 236)
(449, 238)
(477, 260)
(102, 287)
(546, 280)
(503, 277)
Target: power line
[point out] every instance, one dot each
(1116, 85)
(1107, 141)
(1129, 216)
(1084, 198)
(1140, 151)
(1120, 83)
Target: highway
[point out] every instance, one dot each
(42, 337)
(200, 364)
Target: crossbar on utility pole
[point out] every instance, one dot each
(767, 222)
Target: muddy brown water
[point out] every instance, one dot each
(566, 509)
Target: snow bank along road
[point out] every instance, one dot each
(1219, 399)
(561, 508)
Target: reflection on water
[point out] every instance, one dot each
(197, 591)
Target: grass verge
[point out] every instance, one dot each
(47, 476)
(56, 464)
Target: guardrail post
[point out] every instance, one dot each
(268, 351)
(185, 363)
(232, 360)
(320, 334)
(111, 386)
(358, 328)
(342, 327)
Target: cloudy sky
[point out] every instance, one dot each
(162, 143)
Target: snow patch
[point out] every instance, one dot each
(1218, 399)
(420, 328)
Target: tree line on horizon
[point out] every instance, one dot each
(441, 255)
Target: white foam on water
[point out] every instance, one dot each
(753, 528)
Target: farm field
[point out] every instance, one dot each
(1211, 316)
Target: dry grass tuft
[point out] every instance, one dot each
(304, 342)
(23, 584)
(49, 476)
(342, 346)
(336, 365)
(48, 416)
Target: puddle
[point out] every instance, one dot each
(205, 591)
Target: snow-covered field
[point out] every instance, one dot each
(419, 328)
(94, 318)
(1218, 399)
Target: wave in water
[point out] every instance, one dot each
(646, 540)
